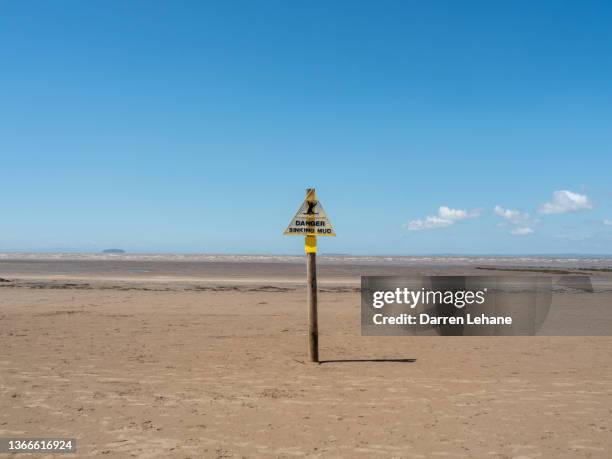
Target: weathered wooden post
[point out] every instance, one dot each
(311, 221)
(310, 246)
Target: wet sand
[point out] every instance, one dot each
(207, 359)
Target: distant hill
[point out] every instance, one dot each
(113, 251)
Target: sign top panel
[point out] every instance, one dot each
(310, 220)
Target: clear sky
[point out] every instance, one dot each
(181, 126)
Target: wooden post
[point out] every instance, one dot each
(313, 321)
(311, 281)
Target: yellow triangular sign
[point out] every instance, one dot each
(310, 220)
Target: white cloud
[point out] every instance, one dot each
(514, 216)
(607, 222)
(457, 214)
(521, 222)
(430, 222)
(446, 217)
(522, 231)
(565, 201)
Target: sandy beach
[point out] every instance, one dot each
(207, 358)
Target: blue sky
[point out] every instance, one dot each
(196, 126)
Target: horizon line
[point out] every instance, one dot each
(328, 254)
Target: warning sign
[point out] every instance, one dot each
(310, 219)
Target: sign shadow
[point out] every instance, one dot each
(368, 360)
